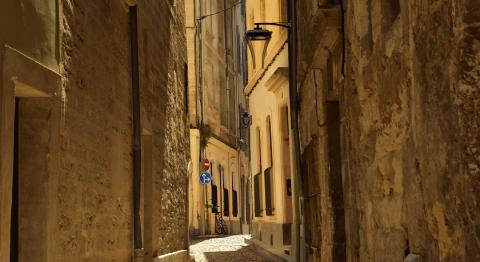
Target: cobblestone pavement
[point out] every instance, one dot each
(228, 248)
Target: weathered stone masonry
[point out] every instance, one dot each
(75, 146)
(95, 189)
(409, 126)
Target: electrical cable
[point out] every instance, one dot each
(221, 11)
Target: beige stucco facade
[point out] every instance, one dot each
(268, 96)
(225, 168)
(215, 60)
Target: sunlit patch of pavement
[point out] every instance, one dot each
(227, 248)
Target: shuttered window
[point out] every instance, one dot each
(268, 192)
(256, 190)
(257, 183)
(235, 203)
(214, 199)
(226, 203)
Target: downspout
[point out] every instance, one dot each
(292, 61)
(137, 228)
(202, 103)
(227, 82)
(200, 64)
(227, 85)
(238, 131)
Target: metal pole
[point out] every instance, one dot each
(205, 188)
(136, 130)
(292, 60)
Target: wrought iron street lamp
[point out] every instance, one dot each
(246, 120)
(260, 34)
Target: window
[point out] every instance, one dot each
(214, 193)
(269, 142)
(214, 199)
(289, 187)
(259, 151)
(225, 192)
(285, 124)
(257, 187)
(235, 203)
(226, 204)
(268, 173)
(247, 205)
(268, 192)
(235, 186)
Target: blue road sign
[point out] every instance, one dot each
(205, 178)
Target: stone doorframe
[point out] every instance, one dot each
(23, 77)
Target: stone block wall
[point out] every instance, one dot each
(94, 200)
(409, 110)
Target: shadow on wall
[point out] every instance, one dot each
(30, 26)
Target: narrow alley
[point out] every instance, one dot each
(240, 130)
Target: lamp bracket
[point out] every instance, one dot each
(280, 24)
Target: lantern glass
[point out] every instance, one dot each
(258, 34)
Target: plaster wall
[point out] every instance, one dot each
(266, 98)
(264, 103)
(216, 67)
(31, 26)
(218, 154)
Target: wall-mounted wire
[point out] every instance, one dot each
(221, 11)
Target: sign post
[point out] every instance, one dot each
(206, 167)
(206, 178)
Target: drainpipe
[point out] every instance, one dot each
(137, 228)
(200, 82)
(200, 64)
(227, 77)
(292, 61)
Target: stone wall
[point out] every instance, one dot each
(94, 210)
(409, 110)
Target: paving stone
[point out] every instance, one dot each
(228, 248)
